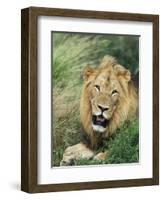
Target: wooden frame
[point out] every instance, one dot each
(29, 99)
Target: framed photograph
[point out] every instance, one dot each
(90, 99)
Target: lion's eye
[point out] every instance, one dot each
(114, 92)
(97, 87)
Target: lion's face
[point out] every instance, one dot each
(105, 86)
(104, 96)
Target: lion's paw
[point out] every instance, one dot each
(68, 157)
(75, 152)
(101, 156)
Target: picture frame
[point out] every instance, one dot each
(29, 98)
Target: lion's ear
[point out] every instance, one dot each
(87, 72)
(122, 71)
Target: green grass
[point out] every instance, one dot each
(71, 53)
(122, 148)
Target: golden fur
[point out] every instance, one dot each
(117, 93)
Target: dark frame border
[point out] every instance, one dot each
(29, 98)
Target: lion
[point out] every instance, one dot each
(108, 99)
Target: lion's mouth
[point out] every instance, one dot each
(100, 120)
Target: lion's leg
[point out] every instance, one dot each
(76, 152)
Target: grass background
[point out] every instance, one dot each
(71, 52)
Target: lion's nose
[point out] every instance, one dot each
(103, 108)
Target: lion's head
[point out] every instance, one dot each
(108, 98)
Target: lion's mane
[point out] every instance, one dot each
(127, 105)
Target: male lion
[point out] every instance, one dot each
(108, 99)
